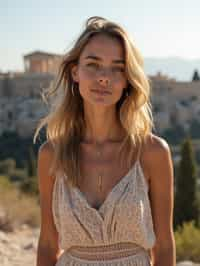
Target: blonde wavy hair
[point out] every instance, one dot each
(65, 121)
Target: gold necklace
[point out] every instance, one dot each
(100, 177)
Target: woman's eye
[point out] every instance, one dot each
(97, 67)
(93, 65)
(118, 69)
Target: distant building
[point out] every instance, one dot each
(159, 76)
(41, 62)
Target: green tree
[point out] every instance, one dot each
(195, 128)
(7, 166)
(186, 203)
(31, 162)
(174, 135)
(30, 183)
(196, 76)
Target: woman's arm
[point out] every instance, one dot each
(160, 171)
(47, 250)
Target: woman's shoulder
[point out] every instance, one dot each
(46, 156)
(47, 147)
(156, 153)
(155, 144)
(154, 150)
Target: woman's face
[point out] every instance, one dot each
(101, 71)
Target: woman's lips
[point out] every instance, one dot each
(101, 92)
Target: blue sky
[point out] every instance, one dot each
(160, 28)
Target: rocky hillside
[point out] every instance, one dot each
(19, 248)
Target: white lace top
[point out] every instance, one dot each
(125, 215)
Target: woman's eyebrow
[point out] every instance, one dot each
(119, 61)
(94, 57)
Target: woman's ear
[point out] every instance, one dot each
(74, 73)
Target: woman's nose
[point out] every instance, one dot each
(104, 78)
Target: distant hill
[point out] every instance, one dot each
(174, 67)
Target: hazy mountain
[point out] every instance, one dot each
(174, 67)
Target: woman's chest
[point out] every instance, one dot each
(100, 175)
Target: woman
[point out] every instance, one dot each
(105, 180)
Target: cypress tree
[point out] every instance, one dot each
(30, 183)
(31, 163)
(196, 76)
(186, 203)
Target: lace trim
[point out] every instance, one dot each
(139, 259)
(106, 252)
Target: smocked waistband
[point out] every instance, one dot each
(106, 252)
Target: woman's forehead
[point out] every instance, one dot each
(103, 46)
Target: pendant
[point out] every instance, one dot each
(100, 183)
